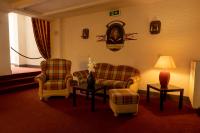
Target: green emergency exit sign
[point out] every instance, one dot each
(114, 13)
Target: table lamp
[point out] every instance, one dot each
(165, 63)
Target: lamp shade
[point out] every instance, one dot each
(165, 62)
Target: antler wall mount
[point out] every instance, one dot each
(115, 35)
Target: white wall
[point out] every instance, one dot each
(23, 40)
(180, 30)
(13, 37)
(4, 45)
(56, 38)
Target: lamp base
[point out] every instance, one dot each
(164, 78)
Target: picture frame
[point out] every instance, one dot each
(115, 35)
(155, 27)
(85, 33)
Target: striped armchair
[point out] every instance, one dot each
(111, 76)
(55, 78)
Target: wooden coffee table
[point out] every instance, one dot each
(163, 93)
(89, 92)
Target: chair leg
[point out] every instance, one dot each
(135, 113)
(115, 114)
(41, 98)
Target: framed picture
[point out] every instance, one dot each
(155, 27)
(85, 33)
(115, 34)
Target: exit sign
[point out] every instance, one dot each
(114, 13)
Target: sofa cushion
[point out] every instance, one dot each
(123, 96)
(104, 71)
(55, 85)
(110, 72)
(111, 83)
(123, 72)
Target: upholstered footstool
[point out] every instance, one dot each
(123, 101)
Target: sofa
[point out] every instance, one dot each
(111, 76)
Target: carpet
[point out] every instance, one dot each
(23, 112)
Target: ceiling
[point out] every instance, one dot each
(56, 7)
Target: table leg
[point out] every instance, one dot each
(164, 95)
(104, 95)
(87, 94)
(181, 100)
(74, 96)
(148, 93)
(93, 101)
(161, 100)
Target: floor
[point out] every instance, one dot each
(23, 112)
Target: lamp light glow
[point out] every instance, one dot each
(165, 63)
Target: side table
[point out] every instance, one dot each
(163, 93)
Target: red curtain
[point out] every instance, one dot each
(41, 29)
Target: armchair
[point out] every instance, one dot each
(55, 78)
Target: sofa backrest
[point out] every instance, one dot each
(56, 69)
(111, 72)
(104, 70)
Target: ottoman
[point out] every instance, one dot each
(123, 101)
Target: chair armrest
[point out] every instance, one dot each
(40, 78)
(133, 83)
(81, 74)
(68, 77)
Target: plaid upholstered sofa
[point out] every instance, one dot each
(55, 78)
(111, 76)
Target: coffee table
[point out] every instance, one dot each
(91, 92)
(163, 93)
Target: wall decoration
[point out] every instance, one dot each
(115, 35)
(155, 27)
(85, 33)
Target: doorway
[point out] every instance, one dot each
(24, 54)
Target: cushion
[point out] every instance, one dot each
(123, 96)
(104, 71)
(123, 73)
(55, 85)
(111, 83)
(110, 72)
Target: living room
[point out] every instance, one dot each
(178, 38)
